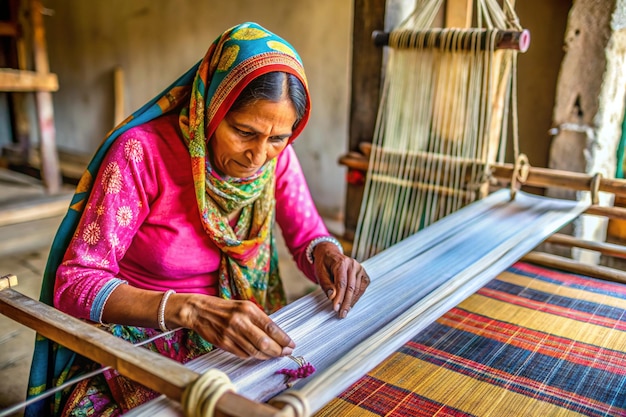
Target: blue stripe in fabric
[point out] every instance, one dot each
(101, 298)
(523, 363)
(557, 300)
(589, 286)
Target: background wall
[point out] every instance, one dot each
(155, 41)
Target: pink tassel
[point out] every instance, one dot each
(302, 372)
(304, 369)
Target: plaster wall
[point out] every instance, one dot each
(155, 41)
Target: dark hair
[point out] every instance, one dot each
(271, 86)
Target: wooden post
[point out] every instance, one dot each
(367, 61)
(17, 59)
(50, 171)
(118, 96)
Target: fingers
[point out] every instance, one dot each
(345, 285)
(364, 282)
(242, 328)
(344, 281)
(261, 338)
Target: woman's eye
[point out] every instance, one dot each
(243, 133)
(279, 139)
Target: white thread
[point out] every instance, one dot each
(314, 242)
(200, 397)
(161, 314)
(574, 127)
(495, 233)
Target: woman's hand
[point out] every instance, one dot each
(239, 327)
(342, 278)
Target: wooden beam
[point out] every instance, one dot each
(149, 368)
(34, 209)
(608, 249)
(367, 61)
(27, 81)
(50, 171)
(570, 265)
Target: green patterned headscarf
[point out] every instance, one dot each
(249, 265)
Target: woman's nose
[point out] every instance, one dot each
(257, 153)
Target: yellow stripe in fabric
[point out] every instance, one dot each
(576, 293)
(460, 391)
(545, 322)
(339, 407)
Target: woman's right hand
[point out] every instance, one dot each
(239, 327)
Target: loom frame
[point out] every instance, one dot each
(172, 378)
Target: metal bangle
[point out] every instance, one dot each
(314, 242)
(161, 315)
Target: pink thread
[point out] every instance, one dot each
(302, 372)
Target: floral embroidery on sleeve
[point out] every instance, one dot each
(110, 221)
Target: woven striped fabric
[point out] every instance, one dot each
(532, 342)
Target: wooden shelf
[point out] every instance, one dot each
(27, 81)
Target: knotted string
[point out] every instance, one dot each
(305, 369)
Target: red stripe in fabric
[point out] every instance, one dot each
(582, 316)
(546, 344)
(388, 400)
(511, 382)
(567, 278)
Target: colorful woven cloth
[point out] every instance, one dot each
(532, 342)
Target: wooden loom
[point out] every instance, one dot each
(171, 378)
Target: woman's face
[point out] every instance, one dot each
(250, 137)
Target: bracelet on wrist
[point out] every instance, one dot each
(161, 313)
(314, 242)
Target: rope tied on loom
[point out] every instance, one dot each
(521, 169)
(293, 404)
(201, 396)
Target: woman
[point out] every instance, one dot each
(171, 226)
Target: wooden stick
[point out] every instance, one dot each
(609, 249)
(610, 212)
(156, 372)
(34, 209)
(537, 177)
(444, 191)
(8, 281)
(504, 39)
(118, 96)
(546, 177)
(26, 81)
(570, 265)
(50, 171)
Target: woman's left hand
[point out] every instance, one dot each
(343, 279)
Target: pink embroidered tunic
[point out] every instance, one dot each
(142, 224)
